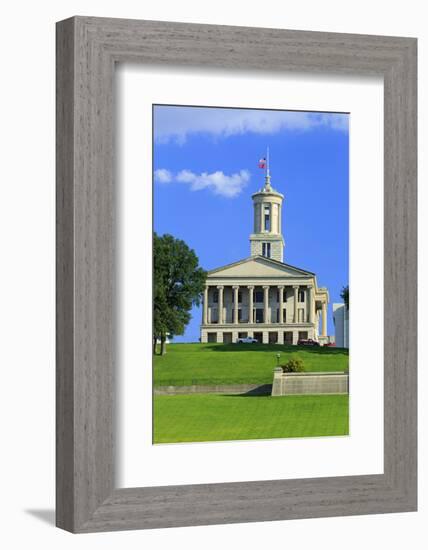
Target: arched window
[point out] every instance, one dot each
(266, 250)
(266, 211)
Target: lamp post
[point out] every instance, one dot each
(277, 371)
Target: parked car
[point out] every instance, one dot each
(247, 340)
(330, 345)
(307, 342)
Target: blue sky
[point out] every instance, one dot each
(205, 170)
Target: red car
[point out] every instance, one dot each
(308, 342)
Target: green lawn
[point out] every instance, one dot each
(209, 417)
(187, 364)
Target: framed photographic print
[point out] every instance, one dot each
(236, 274)
(258, 297)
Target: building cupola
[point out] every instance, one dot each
(266, 239)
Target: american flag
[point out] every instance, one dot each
(262, 163)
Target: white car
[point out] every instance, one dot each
(247, 340)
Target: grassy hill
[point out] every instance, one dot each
(187, 364)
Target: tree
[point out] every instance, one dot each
(178, 285)
(345, 295)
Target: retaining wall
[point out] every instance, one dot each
(240, 389)
(304, 383)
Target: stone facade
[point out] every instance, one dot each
(341, 325)
(261, 296)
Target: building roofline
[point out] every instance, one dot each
(269, 260)
(272, 191)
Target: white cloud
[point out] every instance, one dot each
(217, 182)
(336, 121)
(163, 176)
(176, 123)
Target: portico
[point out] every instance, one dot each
(281, 304)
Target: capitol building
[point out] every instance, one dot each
(261, 296)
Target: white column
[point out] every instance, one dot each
(250, 304)
(235, 303)
(324, 319)
(220, 304)
(266, 303)
(281, 304)
(311, 303)
(255, 217)
(205, 306)
(296, 298)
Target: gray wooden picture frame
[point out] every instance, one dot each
(87, 50)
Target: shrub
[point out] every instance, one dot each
(295, 364)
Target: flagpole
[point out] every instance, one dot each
(267, 163)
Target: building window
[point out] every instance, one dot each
(258, 296)
(288, 338)
(239, 315)
(215, 297)
(227, 337)
(266, 250)
(267, 218)
(301, 296)
(284, 315)
(273, 337)
(259, 315)
(214, 315)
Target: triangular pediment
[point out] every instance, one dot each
(259, 266)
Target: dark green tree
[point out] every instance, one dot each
(178, 285)
(345, 295)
